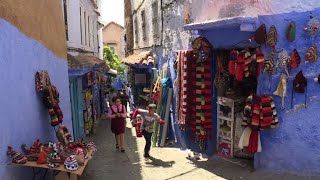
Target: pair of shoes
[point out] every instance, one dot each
(122, 150)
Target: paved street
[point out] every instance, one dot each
(168, 163)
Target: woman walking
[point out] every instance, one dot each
(117, 113)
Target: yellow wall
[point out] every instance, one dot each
(39, 19)
(114, 34)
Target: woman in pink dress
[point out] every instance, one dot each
(117, 113)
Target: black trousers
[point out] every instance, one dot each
(147, 136)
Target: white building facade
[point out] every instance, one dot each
(83, 27)
(146, 24)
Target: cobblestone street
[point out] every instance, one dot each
(167, 164)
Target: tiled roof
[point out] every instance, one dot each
(145, 58)
(85, 61)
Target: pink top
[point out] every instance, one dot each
(115, 109)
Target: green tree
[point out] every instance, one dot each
(113, 61)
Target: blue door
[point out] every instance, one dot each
(77, 107)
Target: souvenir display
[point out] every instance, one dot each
(272, 37)
(254, 145)
(295, 59)
(283, 61)
(34, 149)
(300, 83)
(16, 157)
(269, 63)
(87, 112)
(42, 156)
(260, 112)
(312, 54)
(56, 154)
(291, 32)
(239, 152)
(194, 80)
(244, 139)
(50, 97)
(282, 89)
(260, 36)
(299, 86)
(42, 80)
(243, 64)
(63, 135)
(71, 163)
(221, 75)
(52, 154)
(53, 158)
(313, 27)
(226, 126)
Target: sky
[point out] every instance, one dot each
(112, 10)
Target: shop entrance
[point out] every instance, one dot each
(235, 79)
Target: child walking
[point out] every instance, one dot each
(149, 117)
(117, 113)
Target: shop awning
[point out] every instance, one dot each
(243, 23)
(144, 58)
(82, 64)
(228, 33)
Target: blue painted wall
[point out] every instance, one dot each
(293, 147)
(23, 116)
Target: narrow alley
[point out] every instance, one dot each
(224, 89)
(166, 164)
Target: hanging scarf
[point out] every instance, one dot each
(272, 37)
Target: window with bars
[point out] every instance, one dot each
(81, 32)
(89, 32)
(155, 24)
(143, 19)
(85, 28)
(98, 45)
(65, 11)
(136, 30)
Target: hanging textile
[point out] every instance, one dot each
(200, 101)
(182, 87)
(260, 112)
